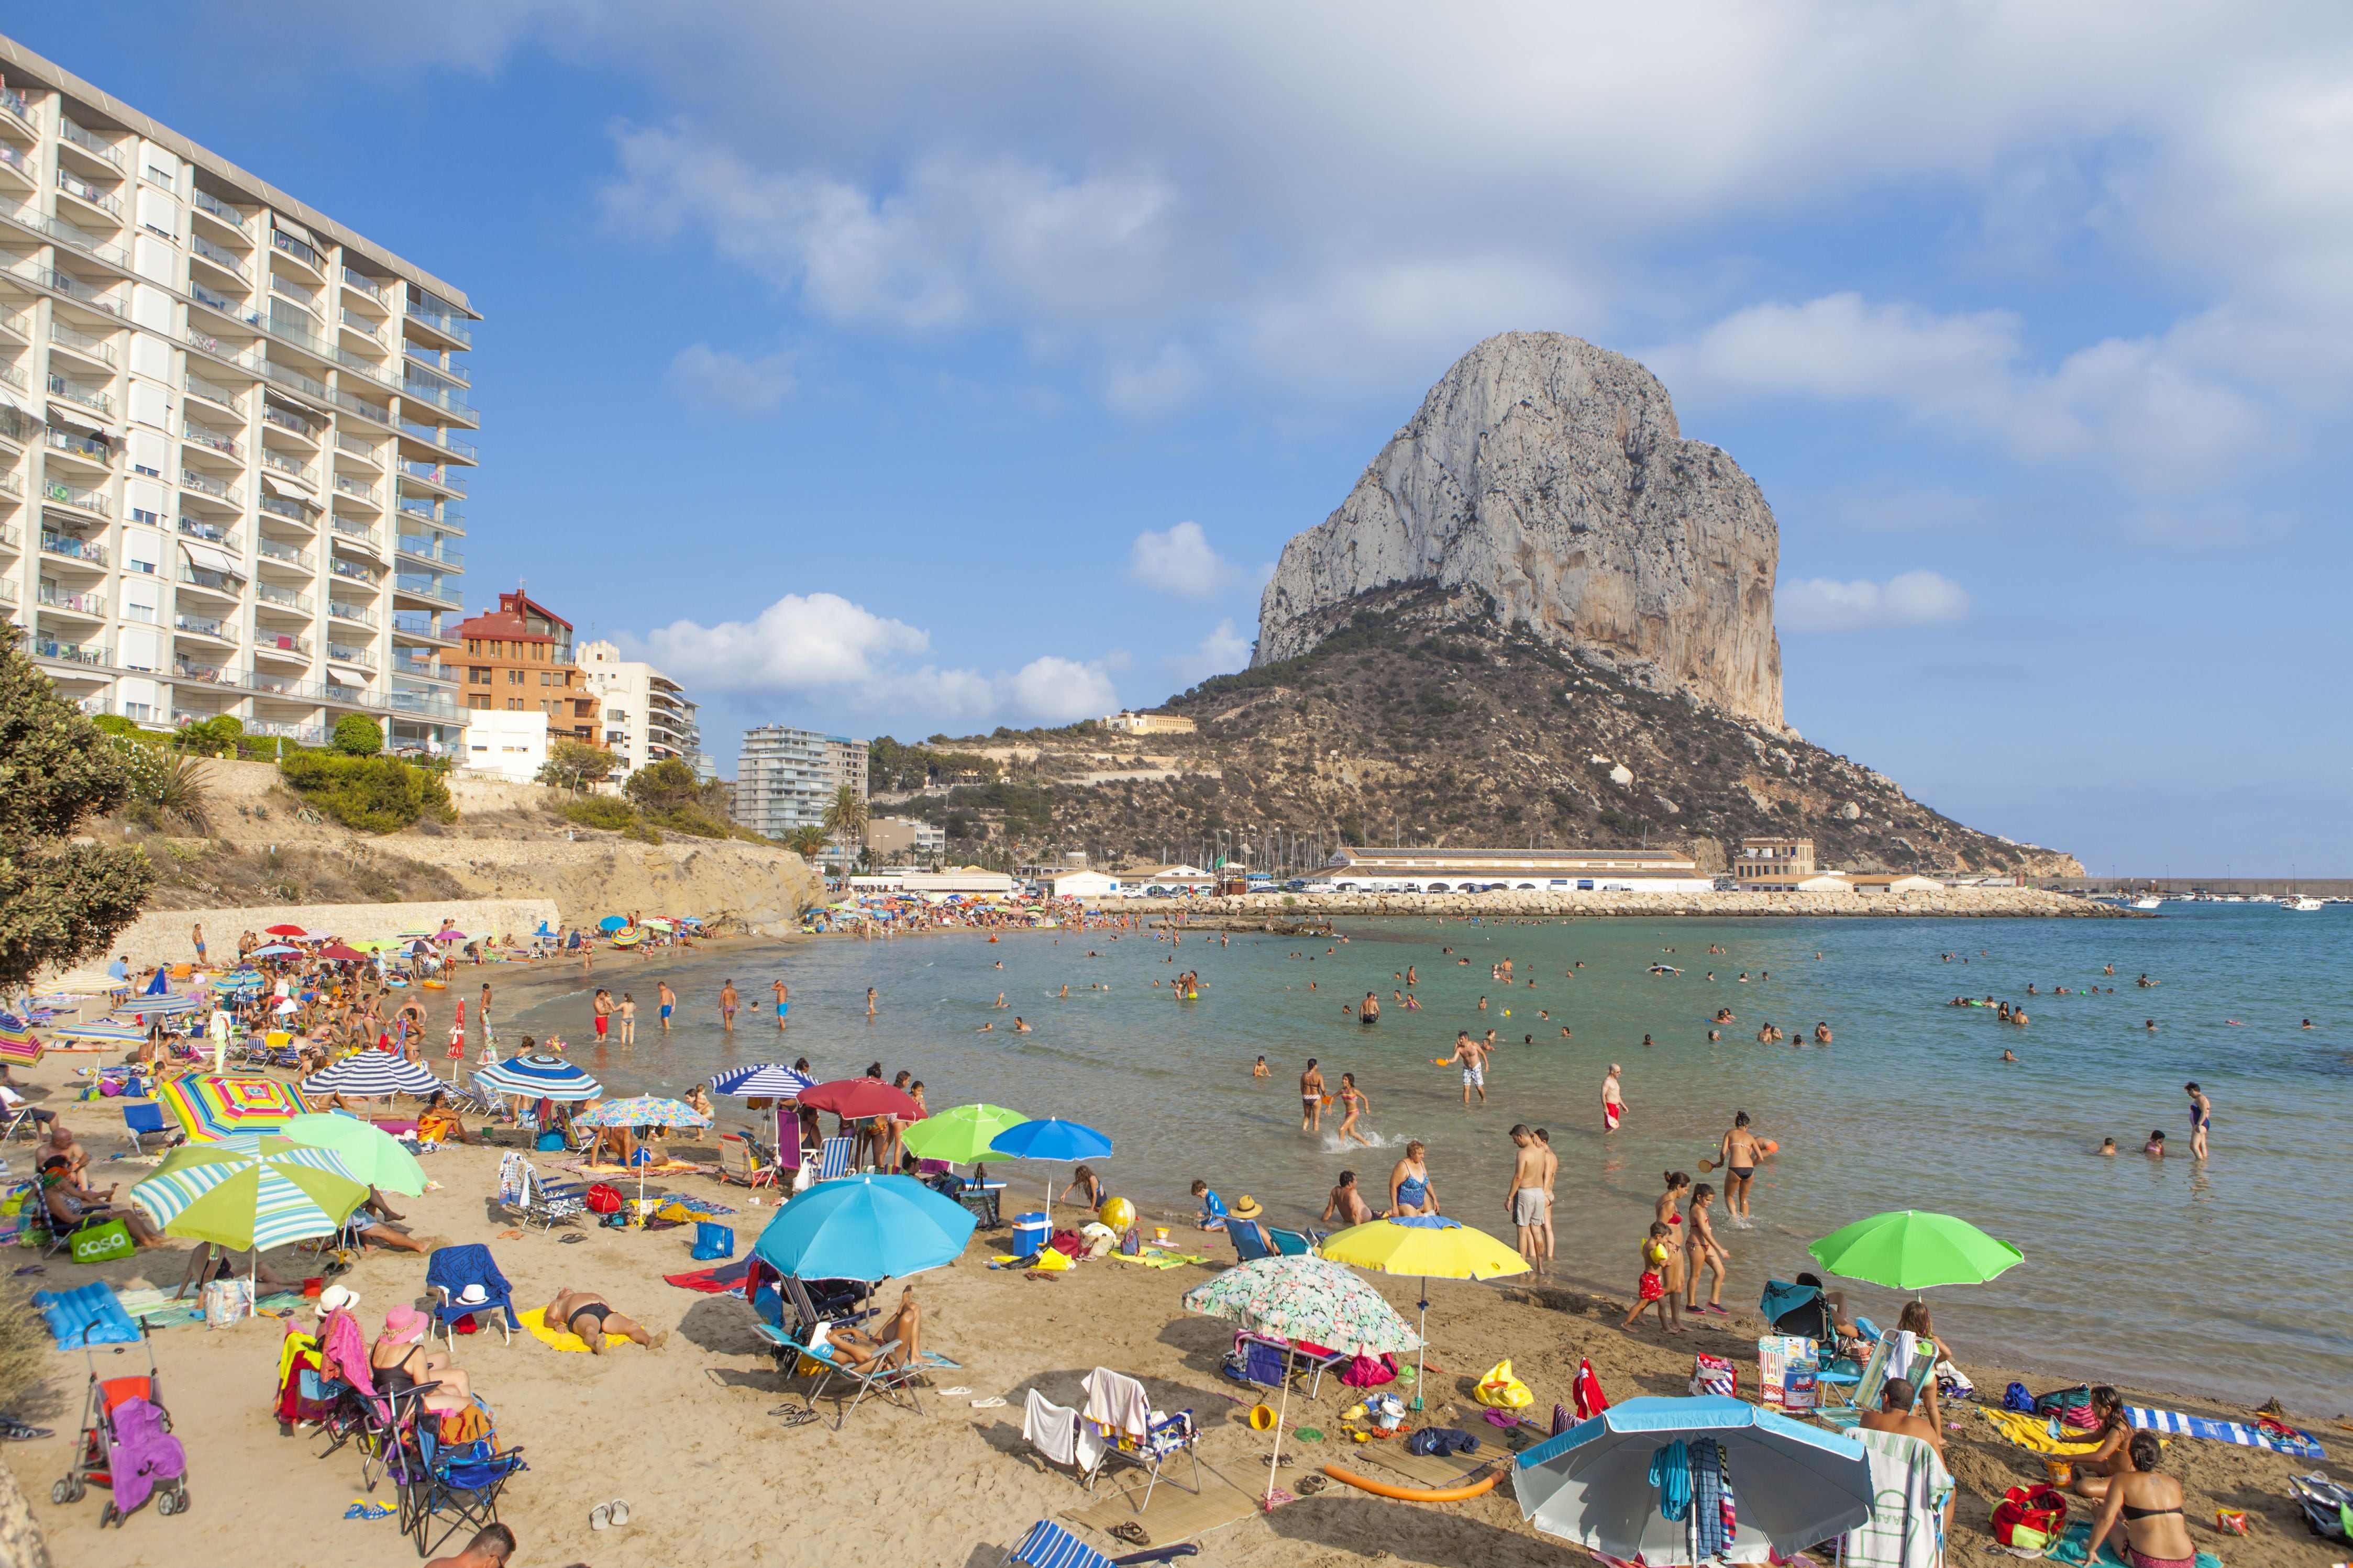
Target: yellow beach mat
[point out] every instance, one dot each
(562, 1340)
(1154, 1258)
(2033, 1432)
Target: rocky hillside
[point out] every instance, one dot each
(1423, 719)
(1549, 478)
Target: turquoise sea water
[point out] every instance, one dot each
(2225, 1277)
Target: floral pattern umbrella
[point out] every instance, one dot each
(1301, 1297)
(210, 1108)
(644, 1110)
(250, 1192)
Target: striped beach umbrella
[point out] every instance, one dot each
(249, 1191)
(16, 1041)
(210, 1108)
(770, 1081)
(541, 1076)
(160, 1007)
(370, 1073)
(99, 1033)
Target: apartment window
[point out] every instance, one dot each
(478, 701)
(152, 520)
(477, 677)
(545, 677)
(583, 711)
(514, 677)
(474, 647)
(140, 711)
(568, 677)
(144, 468)
(514, 704)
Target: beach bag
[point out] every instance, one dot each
(468, 1425)
(103, 1243)
(2037, 1509)
(1502, 1390)
(604, 1198)
(1369, 1372)
(1714, 1376)
(2059, 1401)
(549, 1144)
(712, 1240)
(2015, 1397)
(227, 1302)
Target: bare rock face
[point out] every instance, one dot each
(1550, 477)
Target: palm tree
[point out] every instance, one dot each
(808, 841)
(845, 817)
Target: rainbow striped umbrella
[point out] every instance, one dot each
(215, 1107)
(250, 1190)
(16, 1041)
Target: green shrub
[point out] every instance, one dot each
(641, 830)
(358, 735)
(372, 793)
(600, 810)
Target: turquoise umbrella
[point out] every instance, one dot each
(864, 1228)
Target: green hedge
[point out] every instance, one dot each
(374, 794)
(603, 811)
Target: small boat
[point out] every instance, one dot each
(2300, 902)
(2149, 903)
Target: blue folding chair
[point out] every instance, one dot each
(459, 1482)
(450, 1270)
(833, 1159)
(143, 1119)
(1250, 1241)
(1048, 1545)
(1295, 1243)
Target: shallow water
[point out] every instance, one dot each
(2171, 1273)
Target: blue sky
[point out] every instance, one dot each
(914, 366)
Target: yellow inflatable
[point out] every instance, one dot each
(1502, 1390)
(1117, 1213)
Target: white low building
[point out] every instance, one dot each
(968, 879)
(1085, 885)
(1440, 870)
(499, 744)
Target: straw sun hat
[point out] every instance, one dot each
(1248, 1209)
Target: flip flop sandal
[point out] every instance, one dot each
(569, 1240)
(1130, 1532)
(954, 1392)
(601, 1517)
(1310, 1485)
(620, 1514)
(992, 1403)
(15, 1431)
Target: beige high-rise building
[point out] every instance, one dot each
(234, 435)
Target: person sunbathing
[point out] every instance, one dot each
(864, 1352)
(438, 1123)
(69, 1211)
(590, 1316)
(2156, 1530)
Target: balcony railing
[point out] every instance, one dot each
(279, 506)
(205, 484)
(16, 159)
(414, 506)
(213, 582)
(353, 488)
(12, 376)
(368, 286)
(347, 442)
(442, 437)
(87, 396)
(365, 410)
(68, 652)
(294, 247)
(199, 625)
(285, 419)
(222, 259)
(419, 624)
(210, 673)
(345, 610)
(439, 397)
(358, 657)
(17, 324)
(271, 550)
(284, 598)
(82, 496)
(13, 102)
(352, 320)
(288, 466)
(212, 440)
(432, 549)
(286, 289)
(74, 338)
(79, 446)
(7, 590)
(293, 378)
(425, 587)
(280, 642)
(272, 729)
(213, 392)
(206, 201)
(90, 194)
(446, 324)
(212, 533)
(11, 485)
(353, 570)
(73, 549)
(52, 597)
(73, 289)
(353, 530)
(87, 142)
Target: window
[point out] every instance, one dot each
(514, 677)
(545, 678)
(477, 677)
(514, 704)
(152, 520)
(583, 711)
(477, 701)
(474, 647)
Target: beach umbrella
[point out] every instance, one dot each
(16, 1041)
(962, 1134)
(859, 1098)
(1301, 1297)
(1797, 1485)
(1053, 1139)
(656, 924)
(160, 1007)
(644, 1110)
(211, 1108)
(539, 1076)
(1907, 1250)
(286, 931)
(250, 1192)
(446, 935)
(369, 1152)
(763, 1080)
(865, 1228)
(336, 952)
(370, 1074)
(130, 1034)
(276, 950)
(1430, 1245)
(613, 922)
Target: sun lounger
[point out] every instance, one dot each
(890, 1382)
(743, 1162)
(1048, 1545)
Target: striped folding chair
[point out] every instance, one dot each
(1048, 1545)
(833, 1159)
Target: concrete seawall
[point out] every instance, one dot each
(1951, 903)
(162, 937)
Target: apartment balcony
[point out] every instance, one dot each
(433, 549)
(275, 730)
(18, 428)
(358, 614)
(81, 498)
(367, 451)
(212, 440)
(451, 329)
(92, 346)
(204, 253)
(418, 587)
(451, 398)
(88, 295)
(274, 600)
(357, 657)
(286, 245)
(192, 625)
(289, 509)
(220, 212)
(420, 624)
(210, 533)
(375, 293)
(272, 553)
(278, 462)
(88, 396)
(281, 647)
(79, 449)
(90, 196)
(88, 553)
(49, 596)
(351, 323)
(202, 673)
(352, 572)
(214, 393)
(209, 581)
(16, 326)
(210, 491)
(86, 144)
(347, 488)
(287, 376)
(16, 169)
(285, 419)
(52, 650)
(365, 409)
(357, 535)
(439, 437)
(14, 103)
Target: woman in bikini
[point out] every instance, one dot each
(2156, 1532)
(1704, 1254)
(1354, 1103)
(2094, 1469)
(1738, 1154)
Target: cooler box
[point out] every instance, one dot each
(1030, 1234)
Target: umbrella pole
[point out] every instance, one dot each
(1422, 1353)
(1274, 1460)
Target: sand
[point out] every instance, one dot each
(686, 1436)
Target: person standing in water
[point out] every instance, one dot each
(1704, 1253)
(1410, 1191)
(1613, 1100)
(728, 1002)
(668, 999)
(869, 1001)
(1473, 1057)
(2201, 1115)
(784, 1002)
(1354, 1103)
(1525, 1200)
(1311, 1098)
(1370, 1012)
(1738, 1153)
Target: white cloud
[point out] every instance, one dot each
(715, 378)
(1913, 599)
(823, 642)
(1181, 564)
(1223, 651)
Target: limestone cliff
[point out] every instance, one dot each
(1549, 477)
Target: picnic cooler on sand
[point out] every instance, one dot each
(1029, 1233)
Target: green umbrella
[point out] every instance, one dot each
(250, 1190)
(372, 1154)
(961, 1136)
(1909, 1250)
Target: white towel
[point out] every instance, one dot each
(1118, 1401)
(1910, 1485)
(1057, 1433)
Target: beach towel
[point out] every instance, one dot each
(1909, 1485)
(1671, 1474)
(2174, 1423)
(563, 1339)
(1158, 1258)
(1117, 1402)
(724, 1281)
(1056, 1432)
(2033, 1432)
(1587, 1390)
(2070, 1548)
(143, 1452)
(1713, 1519)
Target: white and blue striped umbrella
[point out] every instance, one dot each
(771, 1080)
(130, 1034)
(160, 1007)
(540, 1076)
(370, 1072)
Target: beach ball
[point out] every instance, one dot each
(1117, 1213)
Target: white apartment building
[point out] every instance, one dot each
(510, 745)
(646, 718)
(234, 435)
(785, 778)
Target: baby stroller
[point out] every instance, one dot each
(126, 1445)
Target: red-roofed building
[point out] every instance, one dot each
(518, 659)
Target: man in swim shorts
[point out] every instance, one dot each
(1613, 1100)
(1473, 1057)
(784, 1002)
(1311, 1098)
(668, 1001)
(1347, 1204)
(1526, 1201)
(604, 1007)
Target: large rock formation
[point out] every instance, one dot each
(1550, 477)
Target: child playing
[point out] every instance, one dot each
(1652, 1289)
(1705, 1253)
(1213, 1207)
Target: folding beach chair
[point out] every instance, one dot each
(1260, 1359)
(1250, 1241)
(834, 1161)
(459, 1483)
(449, 1269)
(1048, 1545)
(1294, 1243)
(531, 1198)
(1140, 1435)
(741, 1163)
(143, 1119)
(889, 1382)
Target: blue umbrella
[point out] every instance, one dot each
(540, 1076)
(613, 922)
(1050, 1138)
(864, 1228)
(1795, 1485)
(771, 1080)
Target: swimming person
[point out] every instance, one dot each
(1409, 1192)
(1370, 1012)
(1354, 1103)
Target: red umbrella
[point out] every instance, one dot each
(342, 954)
(857, 1098)
(286, 931)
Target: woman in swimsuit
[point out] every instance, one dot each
(2094, 1469)
(2156, 1534)
(1354, 1103)
(397, 1364)
(1669, 1215)
(1738, 1154)
(1410, 1191)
